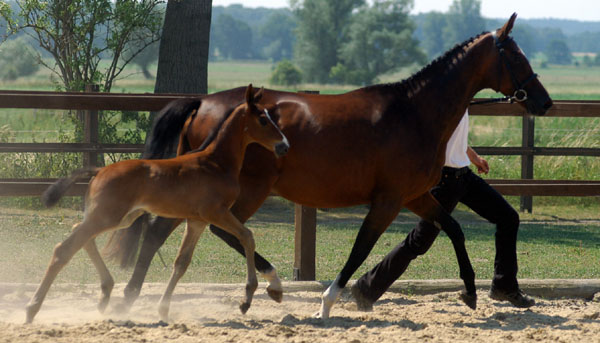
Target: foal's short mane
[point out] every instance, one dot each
(436, 68)
(213, 134)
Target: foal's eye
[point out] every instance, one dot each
(262, 121)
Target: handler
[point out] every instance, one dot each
(458, 183)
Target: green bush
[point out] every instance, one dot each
(17, 59)
(286, 74)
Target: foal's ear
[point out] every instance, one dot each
(259, 94)
(505, 30)
(249, 94)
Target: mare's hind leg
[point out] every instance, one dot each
(428, 208)
(192, 233)
(63, 252)
(231, 224)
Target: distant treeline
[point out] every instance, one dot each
(261, 33)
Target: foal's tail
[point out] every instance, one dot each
(60, 187)
(163, 139)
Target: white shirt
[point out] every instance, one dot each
(456, 150)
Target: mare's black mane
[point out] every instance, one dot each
(436, 68)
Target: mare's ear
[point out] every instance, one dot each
(259, 94)
(505, 30)
(249, 94)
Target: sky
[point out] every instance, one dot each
(584, 10)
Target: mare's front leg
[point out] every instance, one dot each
(157, 233)
(382, 213)
(192, 233)
(428, 208)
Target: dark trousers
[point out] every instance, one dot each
(456, 185)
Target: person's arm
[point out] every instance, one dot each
(478, 161)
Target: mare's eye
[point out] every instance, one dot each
(262, 121)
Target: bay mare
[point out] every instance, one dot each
(200, 187)
(381, 145)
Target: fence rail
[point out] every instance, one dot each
(304, 262)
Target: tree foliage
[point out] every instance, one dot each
(349, 41)
(278, 31)
(17, 59)
(558, 52)
(231, 38)
(79, 33)
(464, 20)
(322, 28)
(380, 40)
(286, 74)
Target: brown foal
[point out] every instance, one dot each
(200, 186)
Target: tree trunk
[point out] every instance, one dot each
(183, 52)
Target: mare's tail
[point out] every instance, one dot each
(163, 139)
(122, 245)
(56, 191)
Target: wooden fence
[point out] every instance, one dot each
(305, 235)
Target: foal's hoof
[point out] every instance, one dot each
(469, 299)
(244, 307)
(102, 305)
(275, 294)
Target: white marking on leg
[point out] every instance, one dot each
(273, 279)
(329, 298)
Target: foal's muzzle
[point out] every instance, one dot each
(281, 149)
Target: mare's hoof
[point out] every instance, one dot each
(469, 299)
(362, 303)
(275, 294)
(244, 307)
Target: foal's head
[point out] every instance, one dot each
(515, 76)
(260, 127)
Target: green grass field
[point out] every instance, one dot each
(560, 240)
(547, 248)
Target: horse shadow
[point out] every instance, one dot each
(291, 321)
(510, 321)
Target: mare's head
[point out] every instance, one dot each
(515, 77)
(260, 127)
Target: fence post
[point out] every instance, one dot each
(305, 238)
(527, 158)
(90, 130)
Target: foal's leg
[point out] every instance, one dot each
(190, 238)
(429, 209)
(382, 213)
(157, 233)
(63, 252)
(231, 224)
(106, 280)
(255, 188)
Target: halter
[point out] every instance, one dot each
(520, 93)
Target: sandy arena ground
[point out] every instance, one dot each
(201, 313)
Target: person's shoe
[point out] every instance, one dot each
(362, 303)
(517, 298)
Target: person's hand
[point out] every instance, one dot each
(478, 161)
(482, 165)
